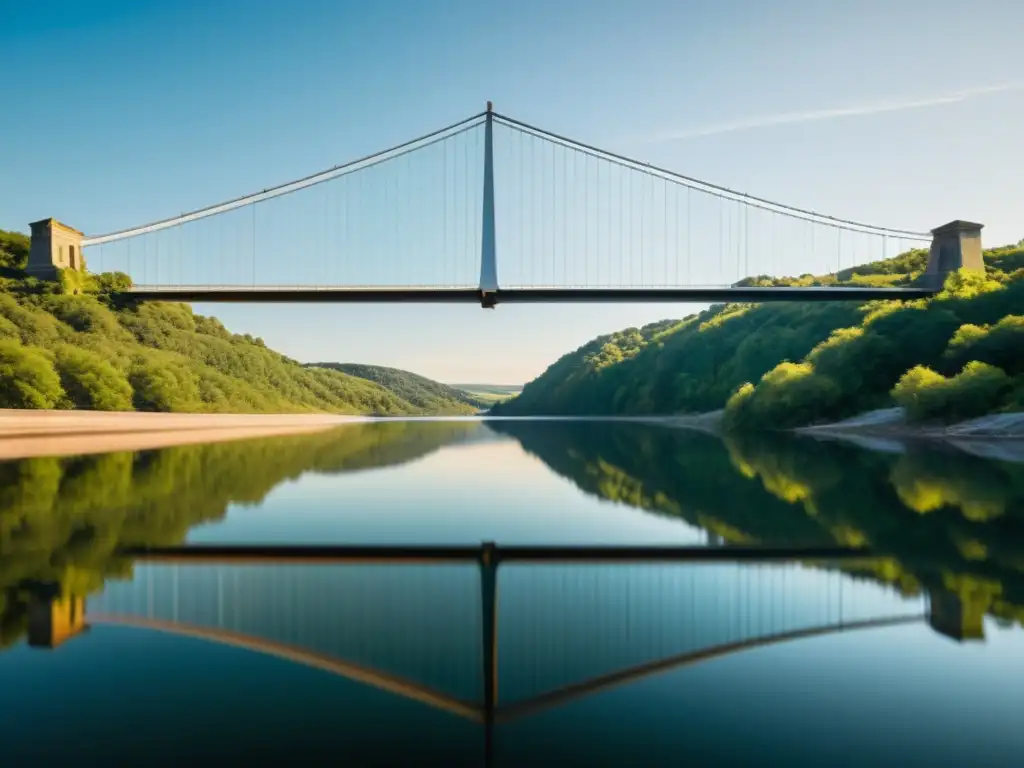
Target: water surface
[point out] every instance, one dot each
(912, 655)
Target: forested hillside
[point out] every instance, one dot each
(68, 345)
(426, 394)
(781, 365)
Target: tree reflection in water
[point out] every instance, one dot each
(948, 524)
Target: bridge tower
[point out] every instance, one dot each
(488, 248)
(54, 617)
(951, 616)
(956, 245)
(54, 246)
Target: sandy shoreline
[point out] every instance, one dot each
(27, 434)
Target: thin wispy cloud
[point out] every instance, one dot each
(787, 118)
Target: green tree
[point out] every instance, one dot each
(91, 382)
(789, 395)
(14, 248)
(921, 392)
(161, 385)
(1001, 345)
(110, 282)
(27, 378)
(978, 389)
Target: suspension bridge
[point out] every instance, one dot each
(493, 210)
(422, 623)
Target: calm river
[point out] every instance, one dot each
(912, 655)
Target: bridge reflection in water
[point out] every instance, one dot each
(426, 624)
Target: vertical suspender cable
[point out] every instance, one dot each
(689, 232)
(632, 222)
(360, 243)
(721, 237)
(598, 250)
(325, 257)
(622, 236)
(813, 228)
(444, 205)
(397, 218)
(675, 243)
(746, 241)
(738, 238)
(608, 228)
(346, 223)
(586, 214)
(664, 234)
(643, 211)
(551, 210)
(541, 218)
(395, 254)
(521, 232)
(565, 217)
(535, 207)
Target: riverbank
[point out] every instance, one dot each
(893, 422)
(34, 433)
(997, 436)
(27, 434)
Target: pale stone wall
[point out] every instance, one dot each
(970, 250)
(956, 245)
(54, 618)
(54, 246)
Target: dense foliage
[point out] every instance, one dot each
(14, 248)
(70, 345)
(941, 526)
(792, 364)
(426, 394)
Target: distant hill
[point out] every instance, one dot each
(490, 389)
(423, 393)
(491, 393)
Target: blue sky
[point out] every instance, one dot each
(901, 114)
